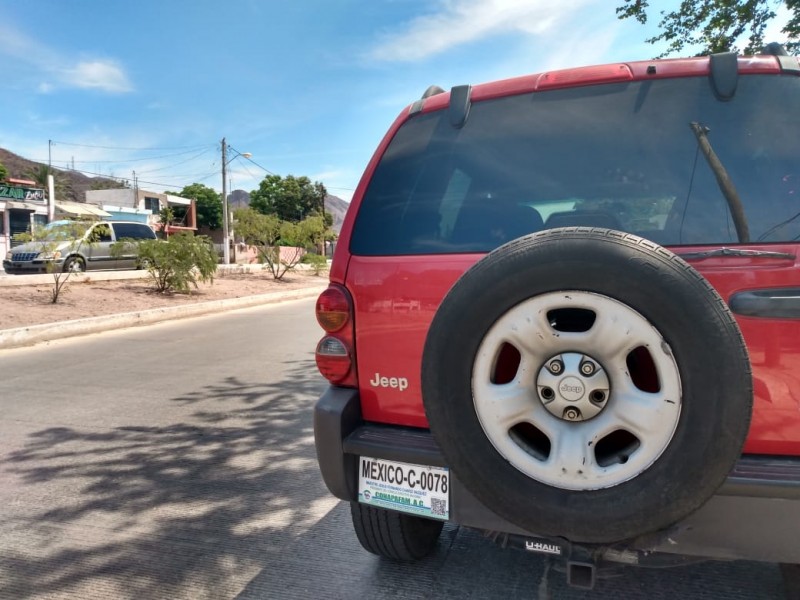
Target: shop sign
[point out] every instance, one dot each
(21, 194)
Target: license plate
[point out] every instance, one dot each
(415, 489)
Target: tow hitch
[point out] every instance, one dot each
(584, 564)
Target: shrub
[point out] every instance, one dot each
(177, 263)
(317, 262)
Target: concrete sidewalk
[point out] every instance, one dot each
(33, 334)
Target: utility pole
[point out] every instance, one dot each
(135, 191)
(49, 155)
(226, 252)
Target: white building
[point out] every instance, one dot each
(144, 206)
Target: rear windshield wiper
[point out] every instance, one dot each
(734, 252)
(723, 181)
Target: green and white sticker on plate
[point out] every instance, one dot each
(415, 489)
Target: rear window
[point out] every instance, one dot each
(621, 156)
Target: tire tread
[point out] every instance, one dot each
(394, 535)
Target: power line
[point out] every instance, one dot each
(246, 170)
(129, 160)
(265, 169)
(122, 179)
(191, 158)
(190, 148)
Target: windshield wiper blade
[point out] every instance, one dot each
(736, 252)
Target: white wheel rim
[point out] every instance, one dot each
(574, 460)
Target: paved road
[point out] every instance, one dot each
(177, 461)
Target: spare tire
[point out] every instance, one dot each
(587, 384)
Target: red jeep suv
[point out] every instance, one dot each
(564, 309)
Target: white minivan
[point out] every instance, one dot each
(77, 246)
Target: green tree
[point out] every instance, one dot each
(167, 217)
(313, 231)
(3, 172)
(267, 233)
(290, 198)
(208, 203)
(715, 25)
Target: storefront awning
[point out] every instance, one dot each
(23, 206)
(80, 209)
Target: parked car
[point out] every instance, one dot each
(77, 246)
(602, 361)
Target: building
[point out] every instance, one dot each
(144, 206)
(22, 205)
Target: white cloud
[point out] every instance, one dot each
(88, 73)
(460, 22)
(104, 75)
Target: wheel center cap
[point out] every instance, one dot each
(571, 389)
(573, 386)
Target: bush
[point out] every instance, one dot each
(177, 263)
(317, 262)
(267, 233)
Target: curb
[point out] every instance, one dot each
(33, 334)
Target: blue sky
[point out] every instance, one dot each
(308, 87)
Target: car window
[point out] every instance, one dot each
(621, 156)
(100, 233)
(135, 231)
(58, 231)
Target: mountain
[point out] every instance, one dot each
(70, 185)
(238, 199)
(337, 207)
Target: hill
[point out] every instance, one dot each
(337, 207)
(70, 185)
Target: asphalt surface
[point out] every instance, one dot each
(177, 461)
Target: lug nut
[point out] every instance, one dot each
(548, 393)
(598, 396)
(587, 368)
(556, 367)
(572, 414)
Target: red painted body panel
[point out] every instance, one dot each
(397, 297)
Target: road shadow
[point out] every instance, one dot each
(183, 510)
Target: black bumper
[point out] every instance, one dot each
(753, 516)
(25, 268)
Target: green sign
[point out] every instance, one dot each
(22, 194)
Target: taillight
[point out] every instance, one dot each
(333, 359)
(335, 353)
(333, 309)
